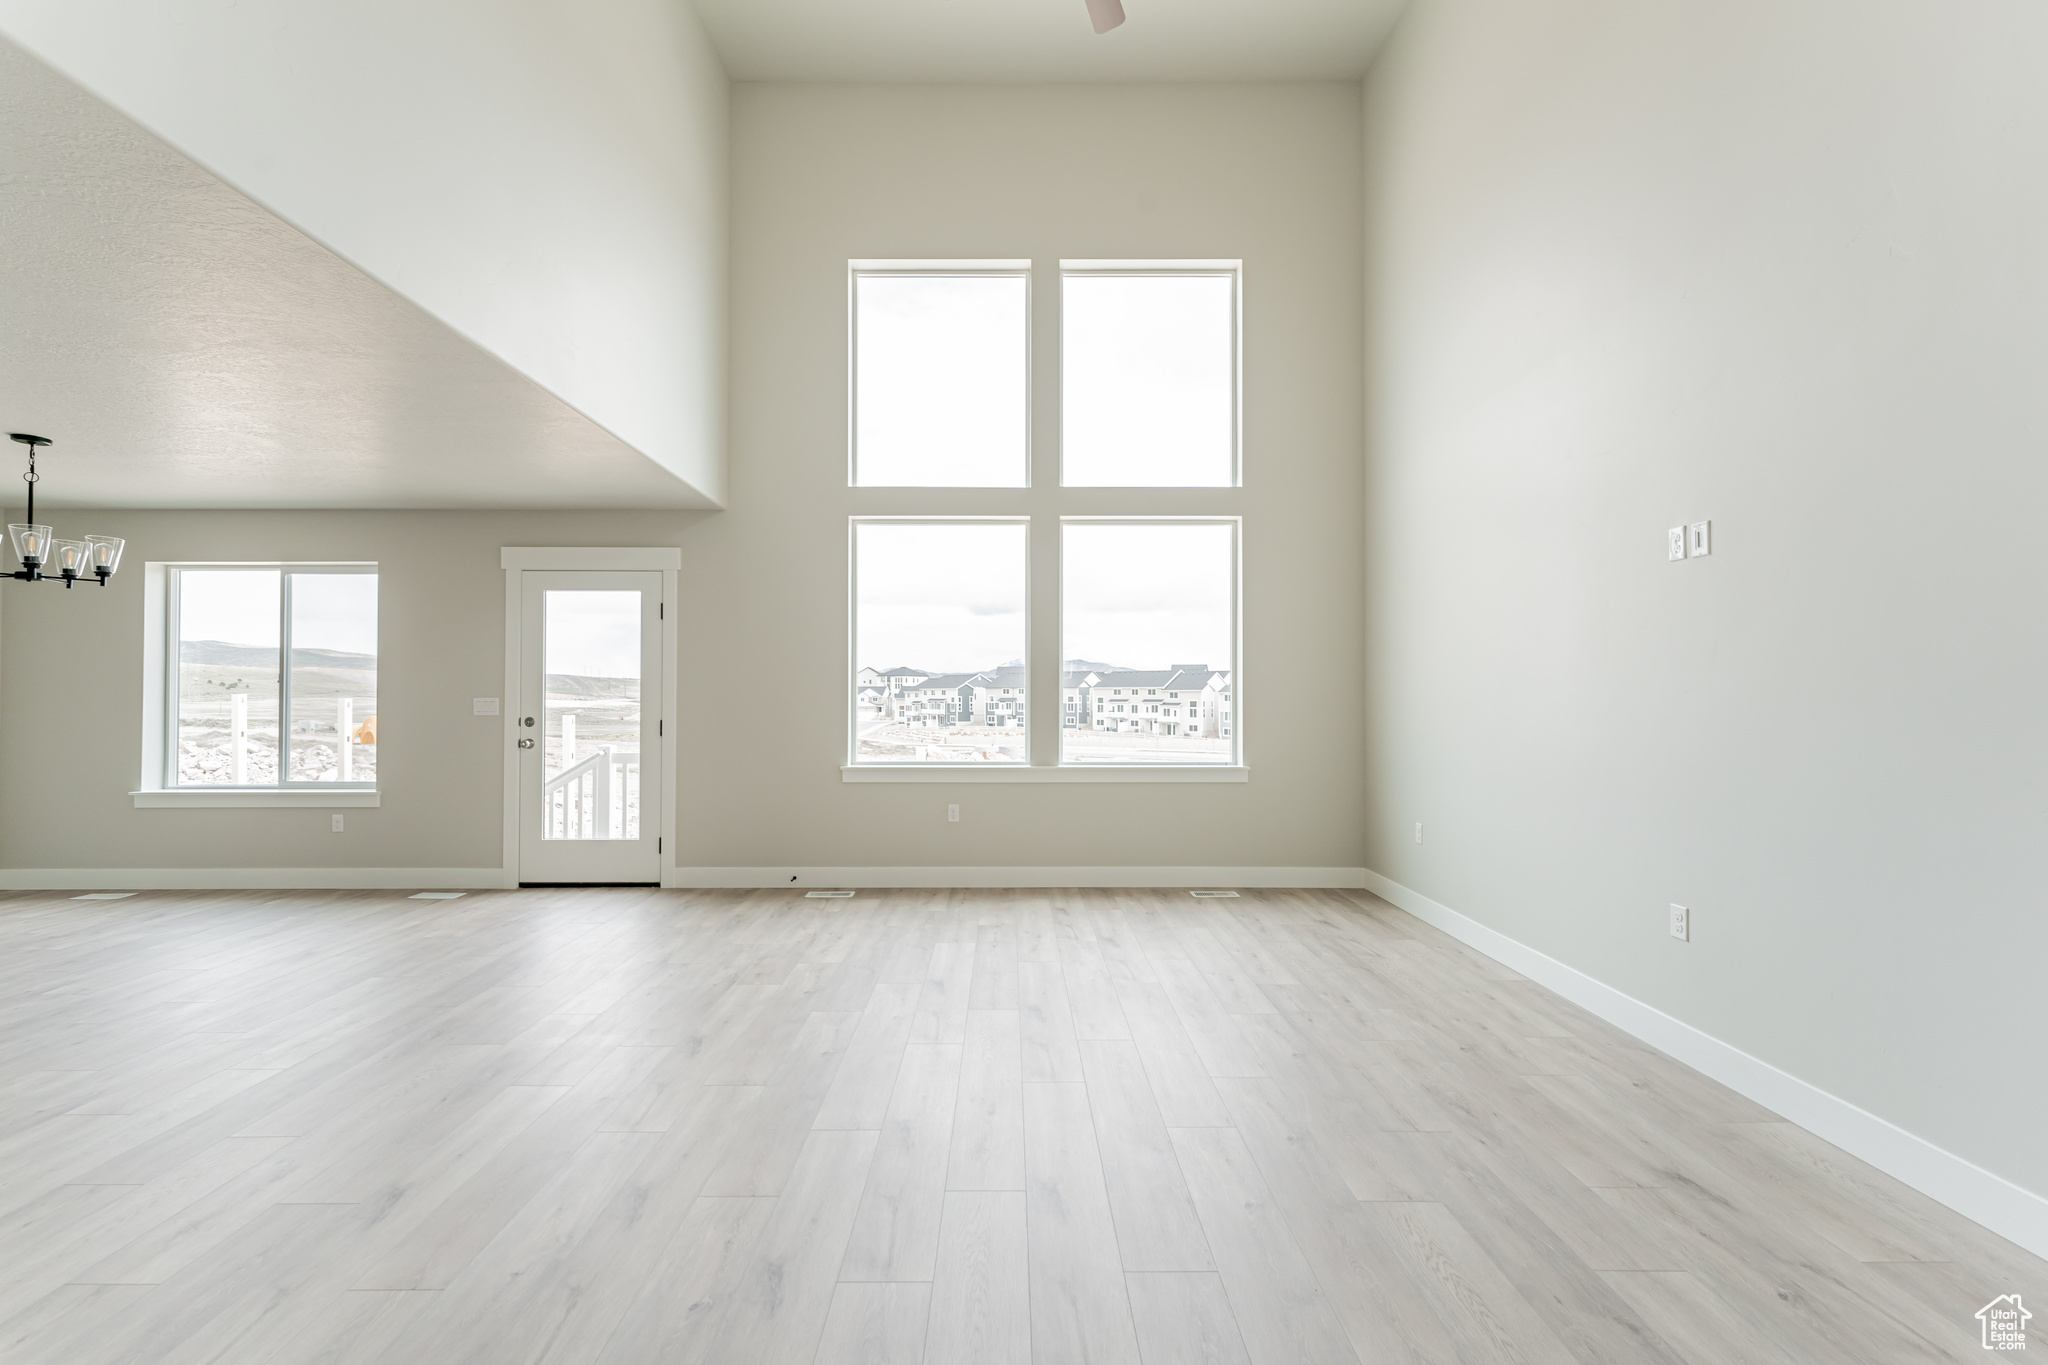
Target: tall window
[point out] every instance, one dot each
(1143, 608)
(273, 676)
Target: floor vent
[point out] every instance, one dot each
(435, 895)
(826, 895)
(104, 896)
(1213, 895)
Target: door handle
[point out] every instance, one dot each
(526, 744)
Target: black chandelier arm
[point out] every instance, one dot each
(34, 574)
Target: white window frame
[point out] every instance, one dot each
(156, 789)
(1045, 504)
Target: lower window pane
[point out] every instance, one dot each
(939, 642)
(334, 677)
(1148, 631)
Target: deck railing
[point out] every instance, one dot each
(594, 797)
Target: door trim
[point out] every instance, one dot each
(515, 559)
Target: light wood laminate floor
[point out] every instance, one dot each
(627, 1126)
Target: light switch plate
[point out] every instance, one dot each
(1675, 543)
(1700, 540)
(1681, 924)
(483, 706)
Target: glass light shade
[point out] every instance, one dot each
(106, 552)
(70, 557)
(31, 542)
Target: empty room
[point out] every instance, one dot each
(1022, 682)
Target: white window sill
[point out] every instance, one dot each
(227, 800)
(991, 772)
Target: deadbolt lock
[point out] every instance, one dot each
(528, 722)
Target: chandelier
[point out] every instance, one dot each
(37, 546)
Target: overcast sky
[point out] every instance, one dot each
(1148, 380)
(950, 598)
(1147, 597)
(592, 634)
(941, 384)
(240, 607)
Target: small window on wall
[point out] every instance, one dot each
(273, 680)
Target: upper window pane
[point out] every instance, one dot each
(941, 380)
(334, 677)
(1149, 380)
(939, 673)
(227, 695)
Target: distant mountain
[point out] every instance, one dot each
(221, 654)
(581, 685)
(1090, 666)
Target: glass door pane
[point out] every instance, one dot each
(590, 722)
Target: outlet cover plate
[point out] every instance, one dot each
(1681, 924)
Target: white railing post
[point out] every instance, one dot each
(572, 795)
(603, 793)
(344, 721)
(238, 737)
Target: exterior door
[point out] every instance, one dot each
(589, 726)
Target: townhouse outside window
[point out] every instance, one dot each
(954, 614)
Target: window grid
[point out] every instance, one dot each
(1056, 505)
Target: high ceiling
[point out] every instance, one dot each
(1046, 40)
(184, 347)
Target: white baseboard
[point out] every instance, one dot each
(693, 878)
(2015, 1213)
(251, 878)
(816, 877)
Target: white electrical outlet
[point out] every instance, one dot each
(1681, 924)
(953, 814)
(1418, 831)
(483, 706)
(1674, 543)
(1701, 539)
(337, 824)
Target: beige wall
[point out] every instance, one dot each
(72, 678)
(1267, 174)
(822, 174)
(1777, 263)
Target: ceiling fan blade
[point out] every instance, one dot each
(1107, 14)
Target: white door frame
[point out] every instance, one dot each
(516, 558)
